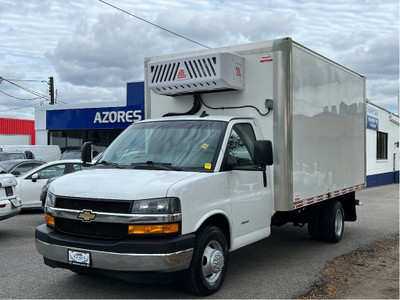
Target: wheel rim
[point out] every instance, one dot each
(339, 223)
(213, 261)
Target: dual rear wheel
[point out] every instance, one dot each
(326, 221)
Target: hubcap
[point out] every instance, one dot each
(339, 223)
(213, 261)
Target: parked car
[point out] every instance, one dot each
(45, 188)
(19, 167)
(30, 184)
(10, 204)
(11, 155)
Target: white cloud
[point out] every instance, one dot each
(93, 50)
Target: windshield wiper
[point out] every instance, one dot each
(109, 164)
(155, 166)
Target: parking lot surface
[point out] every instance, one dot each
(284, 265)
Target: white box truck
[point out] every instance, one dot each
(236, 140)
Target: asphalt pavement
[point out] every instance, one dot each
(284, 265)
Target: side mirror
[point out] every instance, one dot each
(231, 162)
(86, 154)
(263, 153)
(29, 154)
(35, 177)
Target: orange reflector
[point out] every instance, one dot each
(153, 228)
(49, 220)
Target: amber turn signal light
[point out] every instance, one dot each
(49, 220)
(154, 229)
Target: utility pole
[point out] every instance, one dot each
(51, 90)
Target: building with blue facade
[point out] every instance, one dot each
(69, 126)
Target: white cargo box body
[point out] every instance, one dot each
(317, 124)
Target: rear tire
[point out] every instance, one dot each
(209, 262)
(332, 221)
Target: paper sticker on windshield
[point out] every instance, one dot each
(207, 166)
(205, 146)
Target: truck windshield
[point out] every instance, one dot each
(176, 145)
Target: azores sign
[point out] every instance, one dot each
(103, 117)
(372, 117)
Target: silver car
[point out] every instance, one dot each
(10, 203)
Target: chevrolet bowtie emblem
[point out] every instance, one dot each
(87, 216)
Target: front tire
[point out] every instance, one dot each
(209, 262)
(332, 221)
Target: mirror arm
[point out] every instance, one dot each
(262, 168)
(264, 175)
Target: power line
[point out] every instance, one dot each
(16, 108)
(27, 80)
(158, 26)
(17, 98)
(26, 89)
(37, 94)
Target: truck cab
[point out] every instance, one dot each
(165, 178)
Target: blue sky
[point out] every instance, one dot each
(93, 50)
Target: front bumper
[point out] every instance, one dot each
(9, 210)
(129, 255)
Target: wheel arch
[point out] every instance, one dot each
(348, 202)
(220, 220)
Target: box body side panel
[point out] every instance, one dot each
(328, 127)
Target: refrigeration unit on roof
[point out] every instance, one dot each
(196, 74)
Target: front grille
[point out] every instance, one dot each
(110, 206)
(93, 229)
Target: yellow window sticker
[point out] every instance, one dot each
(205, 146)
(207, 166)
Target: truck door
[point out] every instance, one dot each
(251, 200)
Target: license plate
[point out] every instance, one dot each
(9, 191)
(79, 258)
(16, 202)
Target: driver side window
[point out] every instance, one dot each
(241, 144)
(52, 171)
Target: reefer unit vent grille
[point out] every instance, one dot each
(217, 71)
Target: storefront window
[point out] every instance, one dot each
(74, 139)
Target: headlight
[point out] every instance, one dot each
(50, 199)
(157, 206)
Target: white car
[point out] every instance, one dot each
(30, 184)
(10, 204)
